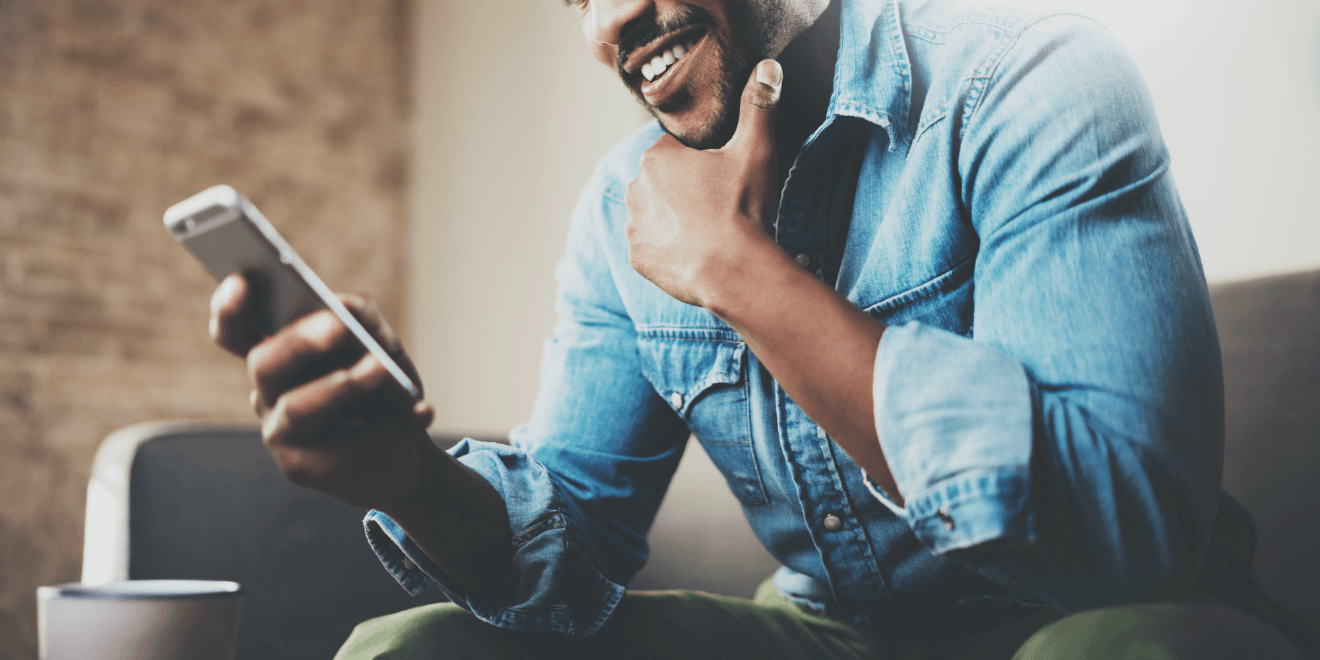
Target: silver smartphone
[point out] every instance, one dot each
(229, 235)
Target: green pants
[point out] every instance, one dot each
(692, 625)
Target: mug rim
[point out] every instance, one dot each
(126, 590)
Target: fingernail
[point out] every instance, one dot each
(770, 73)
(421, 408)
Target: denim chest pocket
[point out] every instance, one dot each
(702, 376)
(945, 301)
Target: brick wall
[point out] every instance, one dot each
(110, 111)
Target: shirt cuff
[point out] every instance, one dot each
(954, 418)
(559, 587)
(398, 553)
(880, 494)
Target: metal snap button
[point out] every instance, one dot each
(803, 259)
(833, 523)
(944, 515)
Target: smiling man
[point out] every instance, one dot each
(924, 291)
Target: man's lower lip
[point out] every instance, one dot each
(655, 91)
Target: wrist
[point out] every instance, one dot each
(427, 491)
(460, 522)
(743, 273)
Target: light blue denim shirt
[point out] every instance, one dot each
(1048, 392)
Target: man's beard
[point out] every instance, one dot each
(750, 30)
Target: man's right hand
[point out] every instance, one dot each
(331, 421)
(328, 415)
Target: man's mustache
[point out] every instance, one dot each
(644, 31)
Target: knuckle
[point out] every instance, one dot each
(340, 379)
(263, 369)
(273, 433)
(282, 416)
(256, 362)
(366, 376)
(347, 379)
(352, 385)
(321, 331)
(309, 468)
(284, 424)
(651, 158)
(759, 95)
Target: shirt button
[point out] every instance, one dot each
(944, 515)
(833, 523)
(803, 259)
(676, 400)
(408, 564)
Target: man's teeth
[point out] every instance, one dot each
(658, 64)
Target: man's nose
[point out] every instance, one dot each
(606, 19)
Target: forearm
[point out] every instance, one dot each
(460, 522)
(818, 346)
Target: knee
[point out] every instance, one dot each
(1167, 631)
(430, 631)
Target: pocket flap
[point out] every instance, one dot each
(681, 365)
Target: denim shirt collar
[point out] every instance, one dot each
(873, 77)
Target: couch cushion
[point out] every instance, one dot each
(1269, 332)
(207, 502)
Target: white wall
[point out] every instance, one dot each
(511, 116)
(1237, 88)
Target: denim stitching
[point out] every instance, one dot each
(937, 284)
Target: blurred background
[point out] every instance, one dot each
(428, 152)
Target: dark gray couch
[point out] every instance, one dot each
(1269, 334)
(204, 501)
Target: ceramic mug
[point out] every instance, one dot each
(139, 619)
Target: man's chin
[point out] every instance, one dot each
(702, 113)
(709, 130)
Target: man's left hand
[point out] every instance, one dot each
(690, 210)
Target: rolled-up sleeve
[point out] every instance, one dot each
(1071, 446)
(583, 479)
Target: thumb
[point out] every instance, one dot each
(756, 117)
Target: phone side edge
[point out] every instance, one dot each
(290, 257)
